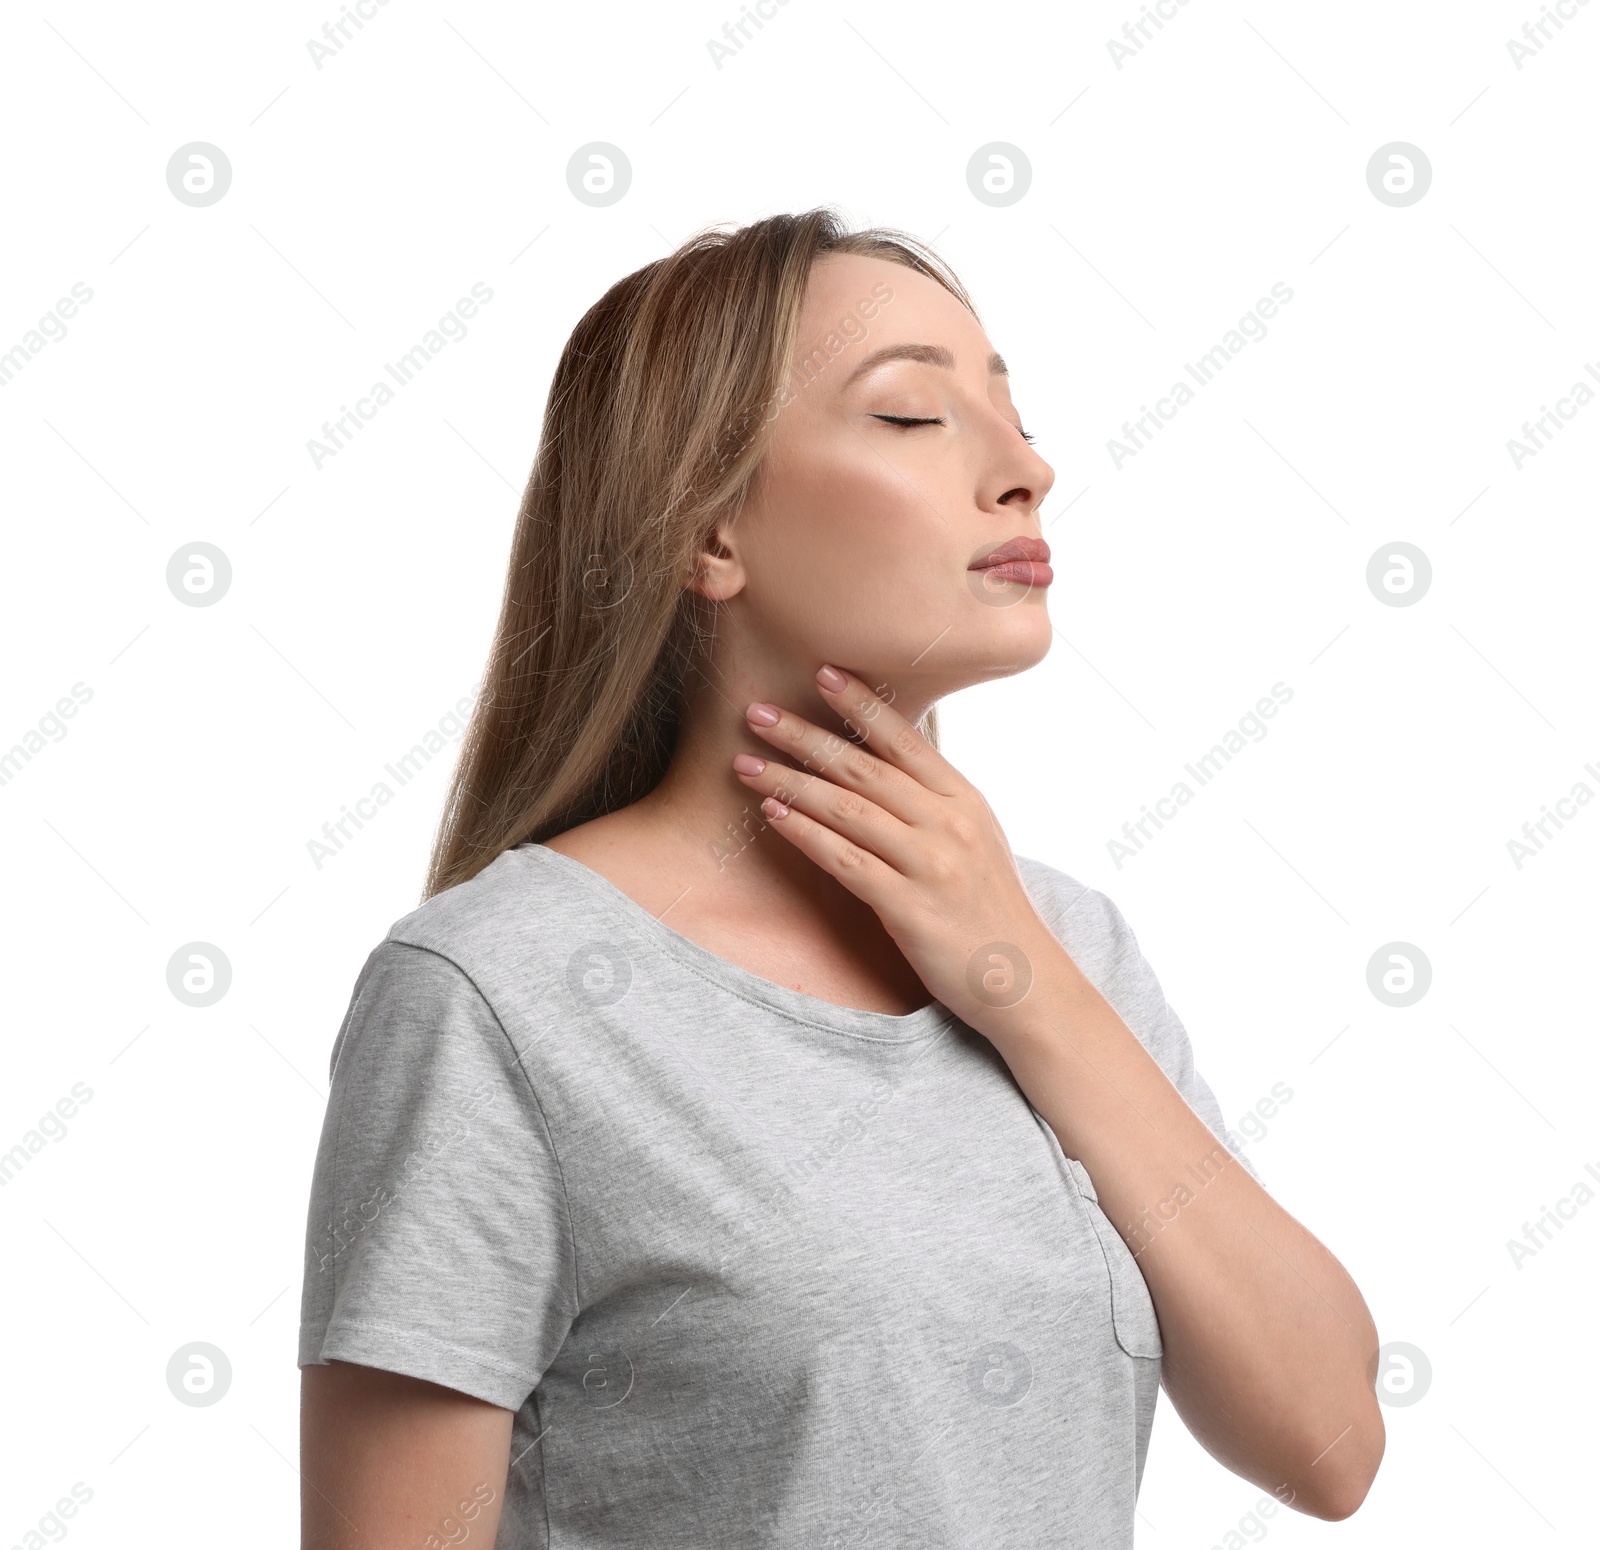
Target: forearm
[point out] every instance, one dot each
(1270, 1354)
(1270, 1350)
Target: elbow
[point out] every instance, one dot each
(1335, 1504)
(1337, 1483)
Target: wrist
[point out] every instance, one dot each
(1022, 992)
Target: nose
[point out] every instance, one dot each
(1038, 476)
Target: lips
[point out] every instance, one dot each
(1024, 560)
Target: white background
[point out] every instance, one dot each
(1167, 196)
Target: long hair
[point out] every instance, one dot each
(658, 417)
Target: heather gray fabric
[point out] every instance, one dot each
(751, 1269)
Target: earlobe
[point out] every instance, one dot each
(716, 577)
(715, 572)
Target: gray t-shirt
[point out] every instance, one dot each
(752, 1269)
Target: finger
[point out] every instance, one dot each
(847, 813)
(886, 732)
(845, 763)
(865, 875)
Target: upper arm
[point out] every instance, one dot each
(440, 1279)
(438, 1239)
(1102, 943)
(390, 1460)
(1159, 1028)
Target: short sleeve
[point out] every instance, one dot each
(1103, 945)
(438, 1241)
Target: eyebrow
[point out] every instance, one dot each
(928, 354)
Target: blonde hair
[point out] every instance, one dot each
(658, 417)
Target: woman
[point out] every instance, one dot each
(727, 1151)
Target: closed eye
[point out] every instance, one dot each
(905, 420)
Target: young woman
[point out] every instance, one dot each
(740, 1146)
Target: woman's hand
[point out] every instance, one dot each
(1268, 1348)
(902, 829)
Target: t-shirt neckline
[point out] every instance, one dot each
(739, 981)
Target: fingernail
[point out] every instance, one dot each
(748, 764)
(831, 678)
(762, 715)
(773, 808)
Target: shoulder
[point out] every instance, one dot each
(450, 980)
(1086, 921)
(512, 903)
(501, 937)
(476, 910)
(1101, 942)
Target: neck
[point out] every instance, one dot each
(711, 820)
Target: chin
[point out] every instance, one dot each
(989, 643)
(975, 661)
(1020, 636)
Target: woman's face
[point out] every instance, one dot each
(856, 544)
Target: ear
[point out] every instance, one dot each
(716, 572)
